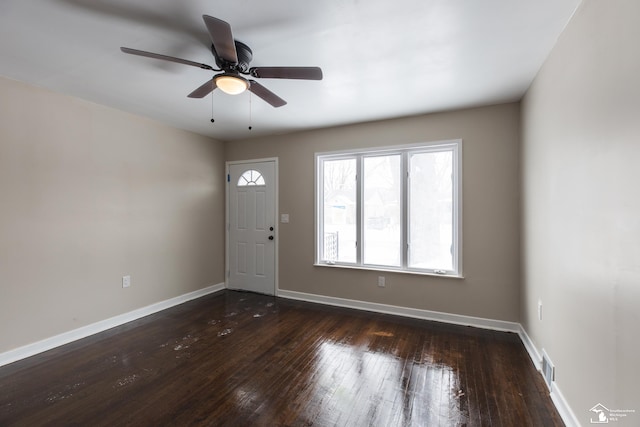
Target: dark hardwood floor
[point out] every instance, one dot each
(240, 359)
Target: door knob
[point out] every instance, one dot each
(270, 237)
(270, 228)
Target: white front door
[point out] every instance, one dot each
(251, 213)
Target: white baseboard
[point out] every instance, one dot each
(567, 415)
(94, 328)
(456, 319)
(534, 354)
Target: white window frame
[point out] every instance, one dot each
(455, 146)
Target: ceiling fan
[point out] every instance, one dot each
(233, 58)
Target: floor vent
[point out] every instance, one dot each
(548, 370)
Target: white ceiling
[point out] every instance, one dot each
(380, 58)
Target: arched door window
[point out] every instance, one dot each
(250, 177)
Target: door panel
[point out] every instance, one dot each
(251, 213)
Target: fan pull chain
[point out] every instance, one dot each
(212, 120)
(250, 98)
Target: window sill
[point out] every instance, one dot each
(389, 270)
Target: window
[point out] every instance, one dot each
(393, 208)
(250, 177)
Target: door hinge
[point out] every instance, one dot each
(228, 177)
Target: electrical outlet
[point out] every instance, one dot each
(539, 309)
(381, 281)
(126, 281)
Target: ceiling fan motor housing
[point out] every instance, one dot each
(244, 53)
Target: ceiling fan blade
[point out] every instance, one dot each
(303, 73)
(165, 58)
(203, 90)
(222, 38)
(266, 94)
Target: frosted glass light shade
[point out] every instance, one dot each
(233, 85)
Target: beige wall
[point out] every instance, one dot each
(581, 226)
(89, 194)
(490, 221)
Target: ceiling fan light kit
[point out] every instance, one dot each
(231, 84)
(233, 58)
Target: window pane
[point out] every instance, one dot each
(381, 211)
(339, 215)
(250, 177)
(431, 210)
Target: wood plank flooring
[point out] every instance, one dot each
(241, 359)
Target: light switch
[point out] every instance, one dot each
(284, 218)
